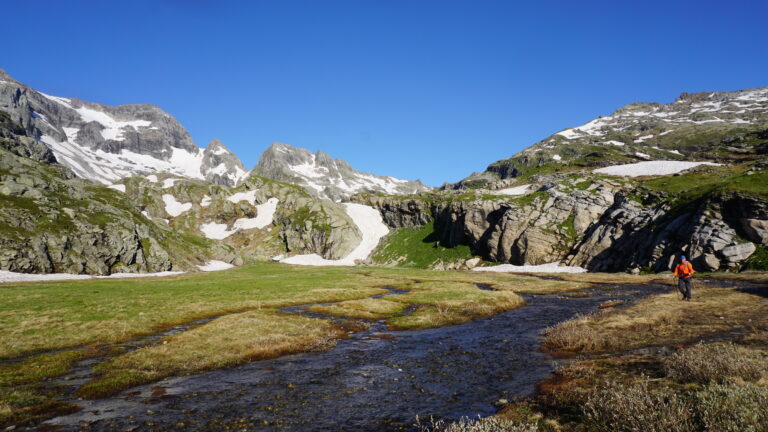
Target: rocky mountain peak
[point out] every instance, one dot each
(4, 75)
(106, 143)
(221, 166)
(325, 176)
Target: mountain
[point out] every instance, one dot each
(633, 190)
(326, 177)
(715, 126)
(105, 143)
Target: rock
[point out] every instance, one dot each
(709, 262)
(472, 262)
(738, 253)
(634, 271)
(756, 229)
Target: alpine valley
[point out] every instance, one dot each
(93, 189)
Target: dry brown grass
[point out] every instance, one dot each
(224, 342)
(611, 278)
(662, 319)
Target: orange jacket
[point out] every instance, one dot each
(684, 270)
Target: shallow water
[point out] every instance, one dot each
(366, 383)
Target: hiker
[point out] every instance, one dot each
(684, 272)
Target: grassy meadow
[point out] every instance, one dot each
(47, 327)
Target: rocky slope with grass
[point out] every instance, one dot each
(88, 188)
(724, 127)
(51, 221)
(597, 196)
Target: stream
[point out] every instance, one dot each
(377, 380)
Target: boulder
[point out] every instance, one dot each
(737, 253)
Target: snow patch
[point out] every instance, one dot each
(557, 157)
(216, 231)
(554, 267)
(173, 207)
(117, 187)
(517, 190)
(7, 276)
(168, 183)
(265, 213)
(615, 143)
(650, 168)
(249, 196)
(215, 265)
(206, 201)
(152, 178)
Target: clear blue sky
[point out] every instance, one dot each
(414, 89)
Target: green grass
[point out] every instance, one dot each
(417, 248)
(705, 181)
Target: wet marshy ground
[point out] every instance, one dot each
(369, 382)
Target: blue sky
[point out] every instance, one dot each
(414, 89)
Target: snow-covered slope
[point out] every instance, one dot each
(105, 143)
(370, 224)
(326, 177)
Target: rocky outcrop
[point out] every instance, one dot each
(326, 177)
(606, 227)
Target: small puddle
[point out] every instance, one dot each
(368, 382)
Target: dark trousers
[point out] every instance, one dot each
(684, 285)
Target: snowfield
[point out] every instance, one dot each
(370, 224)
(173, 207)
(265, 215)
(7, 276)
(541, 268)
(513, 191)
(650, 168)
(215, 265)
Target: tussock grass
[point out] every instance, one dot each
(224, 342)
(576, 334)
(617, 407)
(733, 408)
(704, 363)
(490, 424)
